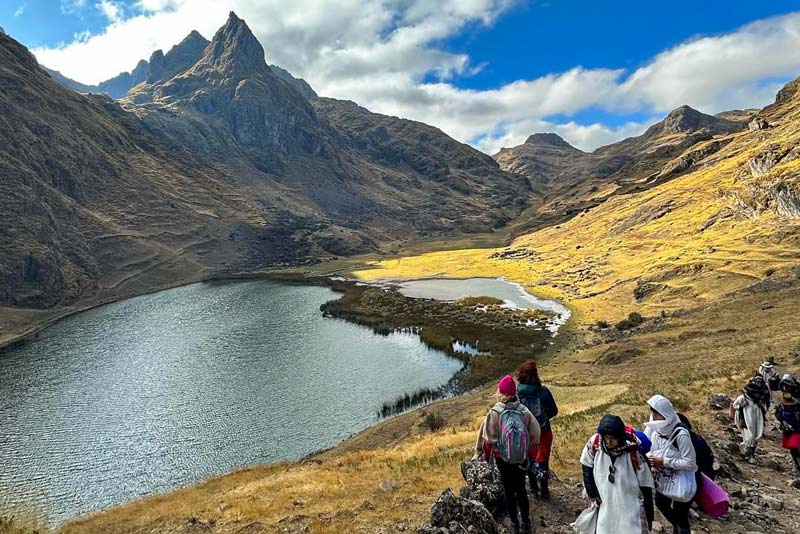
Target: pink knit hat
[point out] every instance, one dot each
(507, 386)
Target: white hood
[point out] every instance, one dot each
(663, 406)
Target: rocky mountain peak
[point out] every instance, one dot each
(179, 58)
(685, 119)
(156, 67)
(235, 49)
(547, 139)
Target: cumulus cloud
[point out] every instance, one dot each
(383, 54)
(111, 10)
(20, 10)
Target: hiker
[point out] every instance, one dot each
(788, 415)
(509, 434)
(674, 463)
(769, 373)
(615, 476)
(748, 412)
(538, 399)
(759, 390)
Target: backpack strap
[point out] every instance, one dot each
(673, 440)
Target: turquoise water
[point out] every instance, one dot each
(159, 391)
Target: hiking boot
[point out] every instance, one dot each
(545, 492)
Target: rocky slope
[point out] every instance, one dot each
(572, 180)
(212, 164)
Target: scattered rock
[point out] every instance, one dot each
(387, 486)
(758, 123)
(719, 401)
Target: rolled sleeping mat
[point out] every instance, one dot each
(712, 498)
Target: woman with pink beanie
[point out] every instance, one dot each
(508, 435)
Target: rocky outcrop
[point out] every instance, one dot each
(451, 514)
(483, 485)
(719, 401)
(761, 164)
(758, 123)
(480, 504)
(781, 195)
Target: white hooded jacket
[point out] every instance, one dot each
(679, 456)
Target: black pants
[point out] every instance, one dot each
(513, 478)
(677, 513)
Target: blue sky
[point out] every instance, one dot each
(488, 72)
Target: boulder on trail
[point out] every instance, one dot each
(451, 514)
(483, 485)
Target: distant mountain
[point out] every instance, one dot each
(115, 87)
(213, 164)
(571, 180)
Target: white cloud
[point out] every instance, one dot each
(69, 7)
(20, 10)
(380, 54)
(111, 10)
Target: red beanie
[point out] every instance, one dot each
(507, 386)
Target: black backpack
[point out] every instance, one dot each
(702, 450)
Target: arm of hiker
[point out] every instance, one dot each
(487, 436)
(587, 462)
(550, 408)
(687, 460)
(479, 442)
(589, 484)
(649, 511)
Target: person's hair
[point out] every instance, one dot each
(528, 373)
(505, 399)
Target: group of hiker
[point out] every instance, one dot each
(627, 472)
(750, 410)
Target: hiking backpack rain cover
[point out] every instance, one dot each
(514, 440)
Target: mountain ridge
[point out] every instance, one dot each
(226, 169)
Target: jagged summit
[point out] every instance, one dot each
(548, 139)
(179, 58)
(235, 49)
